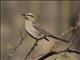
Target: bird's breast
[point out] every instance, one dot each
(32, 30)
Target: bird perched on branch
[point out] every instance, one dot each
(35, 31)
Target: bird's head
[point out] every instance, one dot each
(28, 16)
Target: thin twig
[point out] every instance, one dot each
(15, 48)
(73, 40)
(35, 44)
(70, 29)
(19, 42)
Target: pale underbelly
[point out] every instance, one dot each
(33, 31)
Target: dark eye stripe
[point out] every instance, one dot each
(26, 18)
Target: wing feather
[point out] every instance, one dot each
(38, 27)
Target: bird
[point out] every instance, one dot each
(36, 31)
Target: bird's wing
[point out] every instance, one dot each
(45, 33)
(38, 27)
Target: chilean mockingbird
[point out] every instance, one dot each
(35, 31)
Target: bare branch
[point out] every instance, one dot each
(35, 44)
(73, 39)
(15, 48)
(71, 29)
(48, 35)
(66, 50)
(22, 38)
(55, 52)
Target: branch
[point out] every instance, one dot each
(55, 52)
(19, 42)
(66, 50)
(35, 44)
(71, 29)
(10, 54)
(73, 40)
(48, 35)
(47, 55)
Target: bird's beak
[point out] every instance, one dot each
(23, 14)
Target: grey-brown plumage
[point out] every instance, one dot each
(34, 30)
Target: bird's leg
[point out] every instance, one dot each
(35, 44)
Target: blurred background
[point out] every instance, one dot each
(55, 17)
